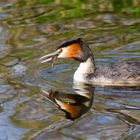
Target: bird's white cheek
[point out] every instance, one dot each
(63, 54)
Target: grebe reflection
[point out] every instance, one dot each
(74, 104)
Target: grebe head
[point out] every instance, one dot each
(76, 49)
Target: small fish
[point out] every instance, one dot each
(53, 59)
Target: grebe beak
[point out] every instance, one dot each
(50, 57)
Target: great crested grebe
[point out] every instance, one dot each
(122, 73)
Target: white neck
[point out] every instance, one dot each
(85, 70)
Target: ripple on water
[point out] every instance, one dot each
(6, 93)
(7, 104)
(93, 125)
(54, 75)
(19, 70)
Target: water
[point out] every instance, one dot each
(40, 102)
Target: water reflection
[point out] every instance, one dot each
(74, 104)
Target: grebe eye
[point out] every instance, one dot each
(60, 50)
